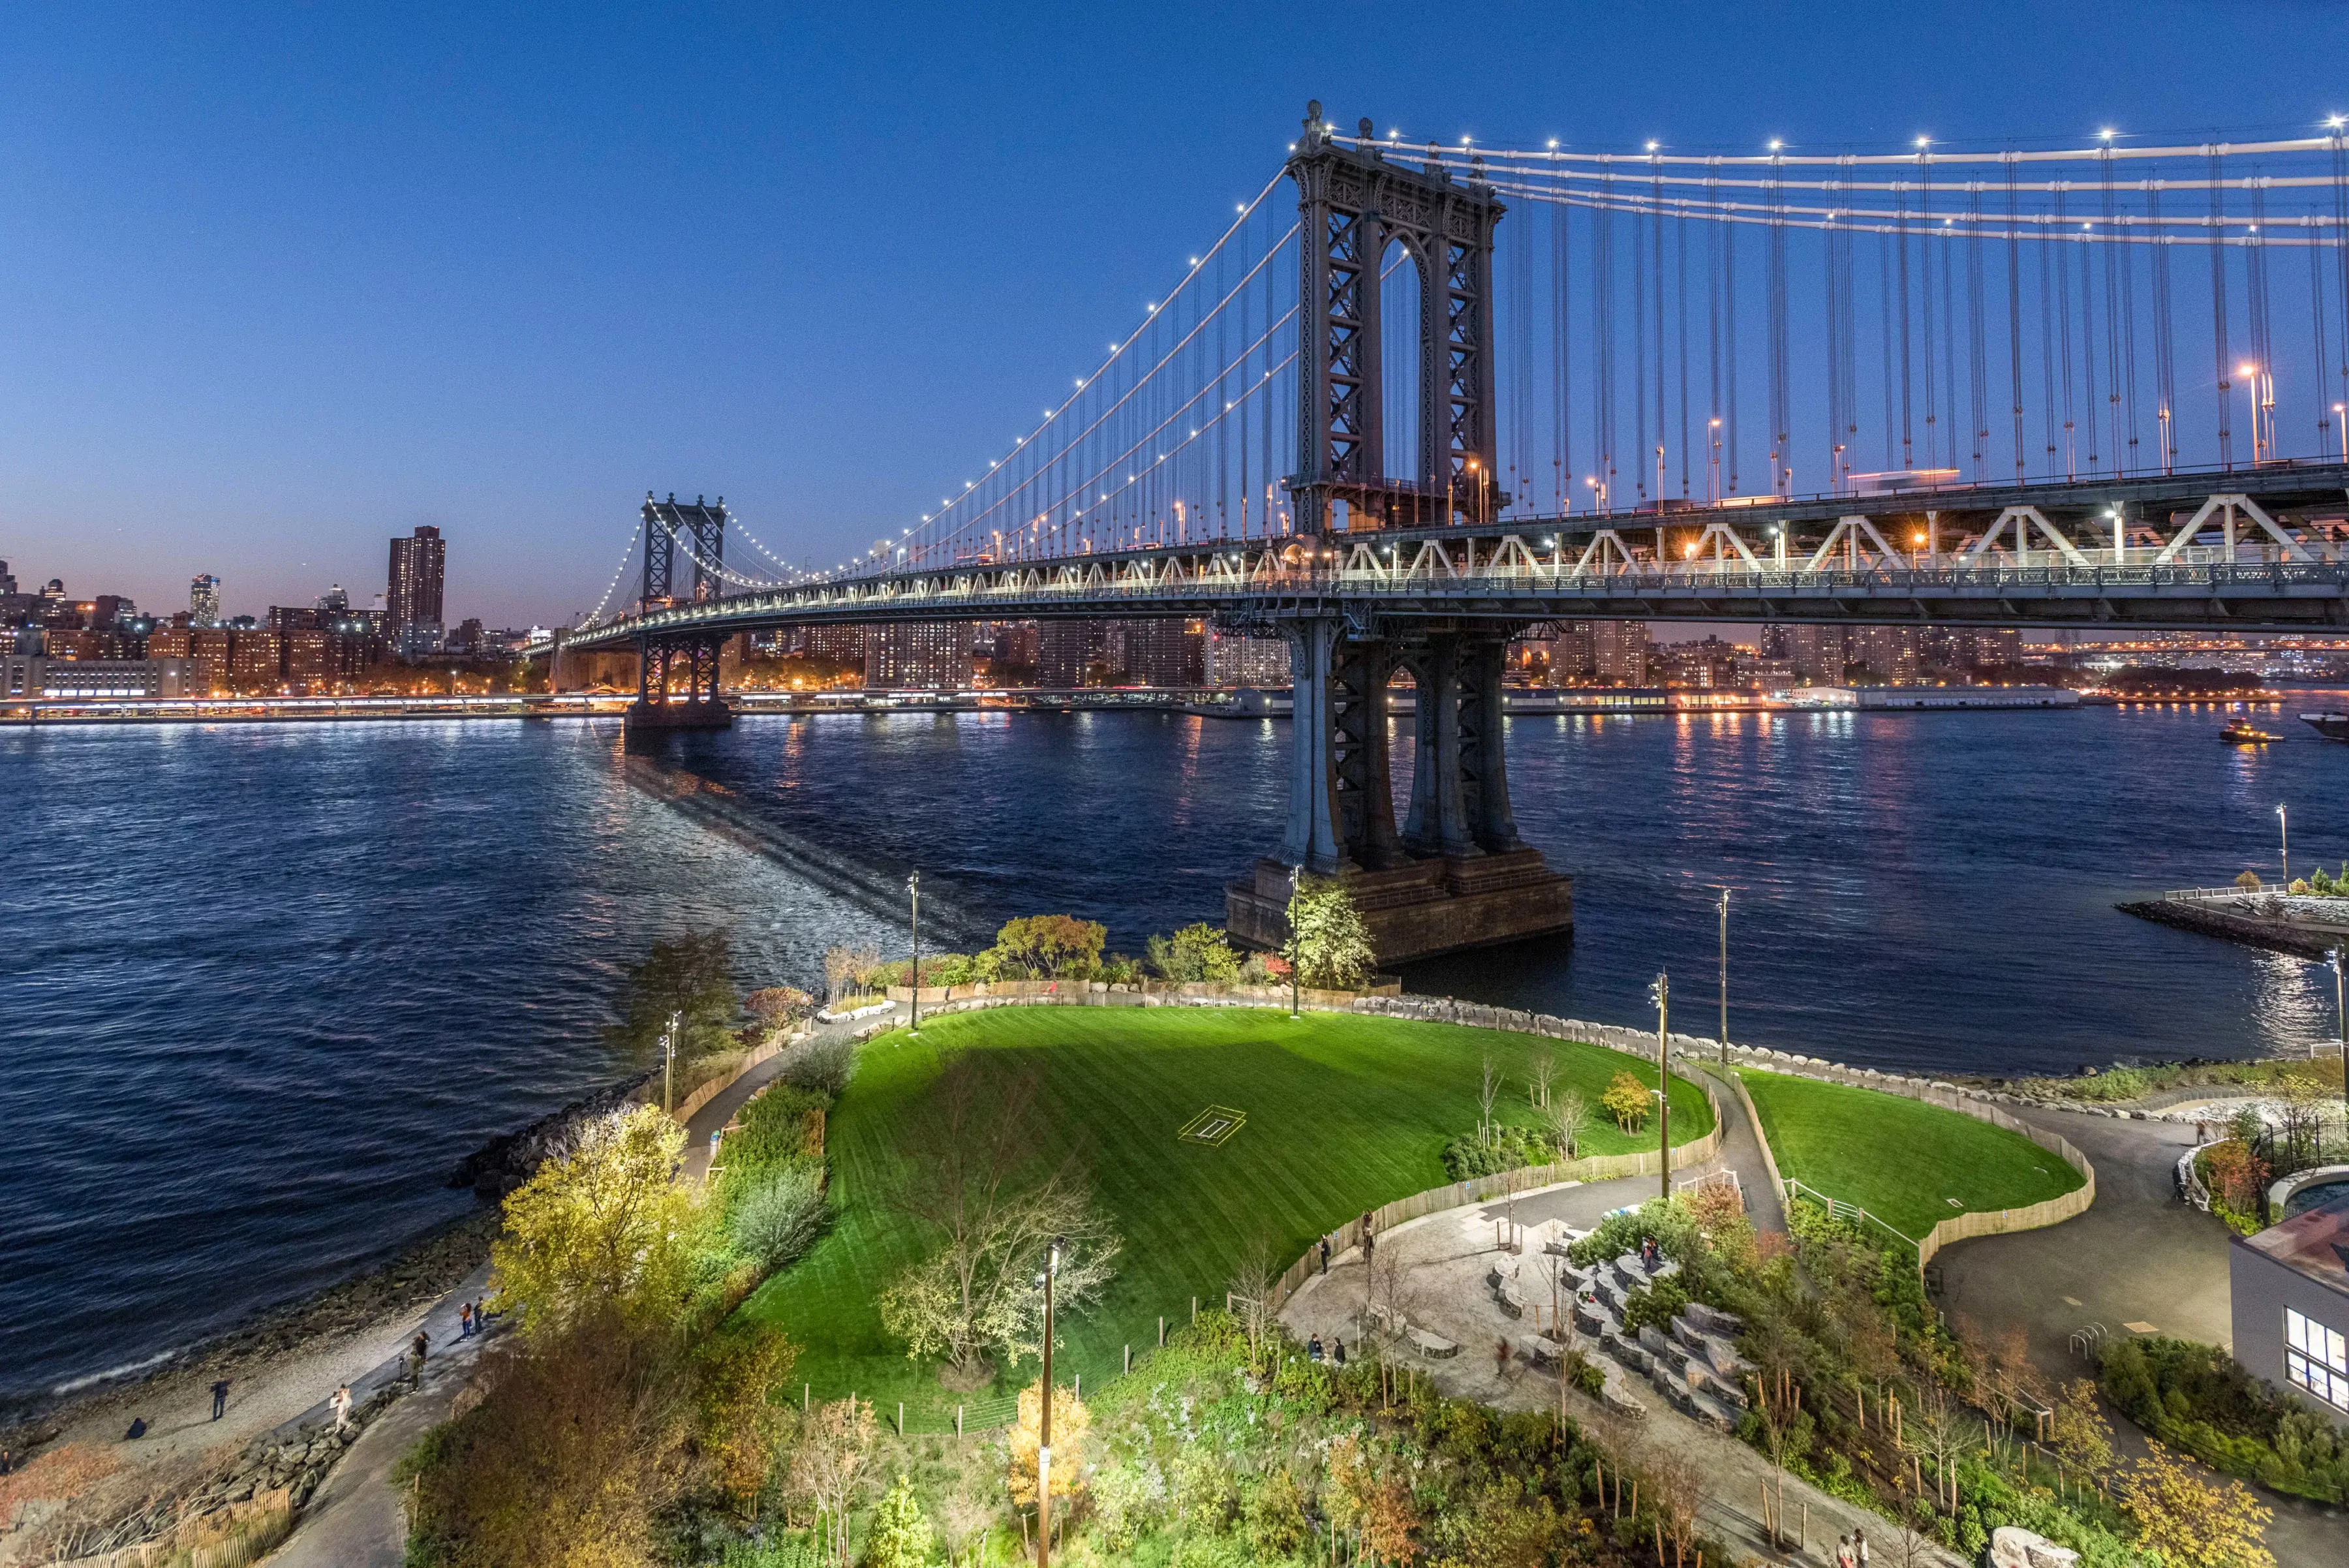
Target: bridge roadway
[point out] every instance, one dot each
(2264, 550)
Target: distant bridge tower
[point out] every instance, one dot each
(1352, 203)
(676, 675)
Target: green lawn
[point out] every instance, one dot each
(1900, 1159)
(1344, 1113)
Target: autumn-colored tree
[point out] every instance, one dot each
(1391, 1522)
(602, 1224)
(1069, 1419)
(1327, 939)
(1627, 1100)
(2193, 1523)
(826, 1466)
(776, 1006)
(741, 1422)
(1048, 946)
(2082, 1436)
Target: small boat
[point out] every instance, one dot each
(2332, 726)
(2240, 733)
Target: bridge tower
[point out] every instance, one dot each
(1455, 875)
(687, 660)
(1352, 203)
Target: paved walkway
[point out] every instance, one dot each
(356, 1521)
(2139, 1255)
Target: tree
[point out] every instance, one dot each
(779, 1006)
(602, 1224)
(1488, 1090)
(2192, 1522)
(1570, 1119)
(692, 977)
(2249, 881)
(741, 1423)
(1327, 939)
(2083, 1437)
(990, 1205)
(1251, 1292)
(1069, 1419)
(1626, 1100)
(1540, 1072)
(900, 1536)
(1048, 946)
(826, 1464)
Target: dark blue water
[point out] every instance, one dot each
(260, 986)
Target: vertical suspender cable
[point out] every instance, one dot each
(2316, 319)
(1602, 322)
(1977, 360)
(2047, 343)
(2015, 309)
(1781, 475)
(2255, 278)
(2165, 339)
(1712, 232)
(2219, 304)
(2088, 247)
(2063, 264)
(1656, 260)
(1945, 242)
(2120, 404)
(1729, 338)
(1561, 383)
(1908, 432)
(2341, 255)
(1925, 298)
(1680, 297)
(1639, 352)
(1832, 273)
(1885, 341)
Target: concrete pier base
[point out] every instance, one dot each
(659, 717)
(1416, 911)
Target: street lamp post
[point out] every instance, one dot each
(914, 891)
(2341, 1008)
(1662, 992)
(2283, 830)
(1724, 980)
(669, 1059)
(1296, 949)
(1044, 1421)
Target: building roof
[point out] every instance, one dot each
(2314, 1242)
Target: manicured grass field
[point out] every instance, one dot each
(1900, 1159)
(1343, 1113)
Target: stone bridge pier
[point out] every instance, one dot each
(1456, 875)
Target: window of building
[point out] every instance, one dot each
(2316, 1359)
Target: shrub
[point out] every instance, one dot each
(1199, 952)
(1272, 1515)
(1511, 1147)
(824, 1068)
(781, 1126)
(1658, 1303)
(1327, 941)
(2199, 1398)
(779, 1006)
(780, 1217)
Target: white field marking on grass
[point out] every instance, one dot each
(1213, 1127)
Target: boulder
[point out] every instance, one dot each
(2012, 1547)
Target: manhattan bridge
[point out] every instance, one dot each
(1453, 392)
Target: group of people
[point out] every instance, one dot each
(1336, 1351)
(1851, 1551)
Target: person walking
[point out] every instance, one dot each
(220, 1399)
(1338, 1350)
(1325, 1254)
(1370, 1245)
(465, 1321)
(341, 1405)
(1501, 1359)
(1843, 1552)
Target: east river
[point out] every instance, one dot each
(262, 986)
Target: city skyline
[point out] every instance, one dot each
(348, 232)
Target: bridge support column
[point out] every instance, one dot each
(665, 664)
(1459, 876)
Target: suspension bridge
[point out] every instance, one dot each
(2090, 386)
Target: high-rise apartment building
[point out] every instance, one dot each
(7, 579)
(412, 601)
(1065, 652)
(1816, 653)
(1619, 652)
(204, 599)
(257, 662)
(835, 644)
(1229, 659)
(1164, 652)
(1888, 653)
(918, 656)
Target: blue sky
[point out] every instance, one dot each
(276, 282)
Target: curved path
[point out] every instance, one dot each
(2139, 1255)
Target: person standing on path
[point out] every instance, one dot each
(1859, 1548)
(1325, 1254)
(1501, 1359)
(1843, 1552)
(220, 1399)
(341, 1404)
(465, 1321)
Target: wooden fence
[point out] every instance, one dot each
(776, 1044)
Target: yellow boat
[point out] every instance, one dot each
(2240, 734)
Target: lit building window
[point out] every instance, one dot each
(2316, 1359)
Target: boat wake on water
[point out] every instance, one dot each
(878, 890)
